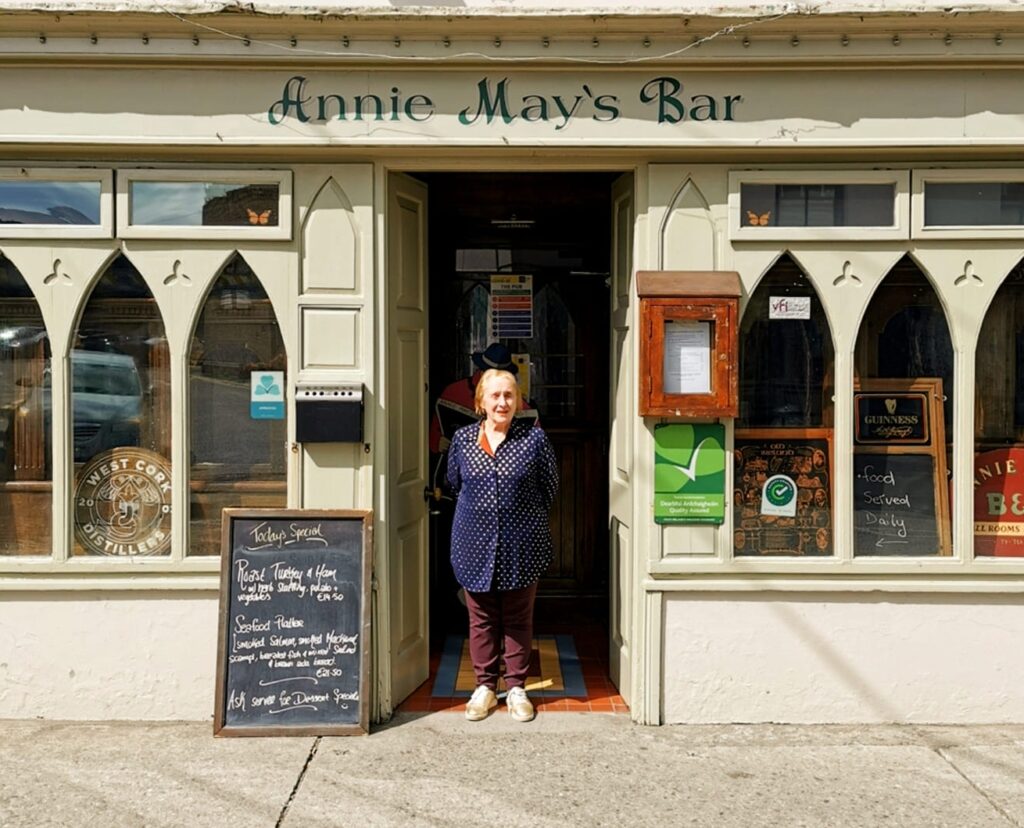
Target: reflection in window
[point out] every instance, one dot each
(903, 410)
(236, 401)
(50, 202)
(121, 404)
(25, 474)
(782, 501)
(973, 204)
(999, 424)
(817, 205)
(203, 204)
(785, 354)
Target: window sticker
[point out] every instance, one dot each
(266, 398)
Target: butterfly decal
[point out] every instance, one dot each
(755, 220)
(258, 218)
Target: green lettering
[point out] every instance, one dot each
(534, 112)
(418, 100)
(291, 99)
(704, 108)
(487, 106)
(663, 91)
(323, 102)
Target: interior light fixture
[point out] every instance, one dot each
(513, 223)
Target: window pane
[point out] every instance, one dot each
(201, 204)
(782, 503)
(120, 400)
(817, 205)
(50, 202)
(999, 424)
(952, 204)
(237, 447)
(25, 422)
(903, 409)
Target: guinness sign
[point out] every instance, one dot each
(891, 419)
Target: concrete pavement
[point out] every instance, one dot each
(562, 769)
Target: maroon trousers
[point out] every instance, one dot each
(495, 617)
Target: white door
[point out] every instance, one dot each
(622, 582)
(406, 355)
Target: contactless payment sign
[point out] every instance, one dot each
(999, 503)
(689, 473)
(266, 395)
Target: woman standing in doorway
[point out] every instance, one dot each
(504, 475)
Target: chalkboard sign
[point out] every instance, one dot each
(895, 505)
(292, 654)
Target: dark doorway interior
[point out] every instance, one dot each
(553, 227)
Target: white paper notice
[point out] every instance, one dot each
(789, 307)
(687, 357)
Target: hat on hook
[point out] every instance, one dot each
(497, 356)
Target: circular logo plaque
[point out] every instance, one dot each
(123, 503)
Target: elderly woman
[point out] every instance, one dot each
(504, 475)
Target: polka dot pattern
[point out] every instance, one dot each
(501, 539)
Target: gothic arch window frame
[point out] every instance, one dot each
(192, 497)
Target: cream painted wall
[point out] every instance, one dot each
(815, 657)
(102, 656)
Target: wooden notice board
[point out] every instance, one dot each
(294, 623)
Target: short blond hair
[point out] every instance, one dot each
(495, 373)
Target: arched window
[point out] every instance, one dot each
(121, 413)
(236, 405)
(999, 424)
(903, 415)
(783, 441)
(25, 422)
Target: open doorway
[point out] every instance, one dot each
(524, 260)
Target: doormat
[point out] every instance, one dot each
(554, 669)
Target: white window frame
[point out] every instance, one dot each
(103, 230)
(900, 229)
(281, 232)
(920, 177)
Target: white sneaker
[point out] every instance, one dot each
(519, 706)
(481, 703)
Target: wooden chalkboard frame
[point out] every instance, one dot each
(936, 448)
(229, 516)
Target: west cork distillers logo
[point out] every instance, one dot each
(123, 503)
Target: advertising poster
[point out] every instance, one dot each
(999, 503)
(689, 473)
(511, 308)
(782, 497)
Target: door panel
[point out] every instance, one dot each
(406, 517)
(622, 384)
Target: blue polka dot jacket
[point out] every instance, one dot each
(501, 539)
